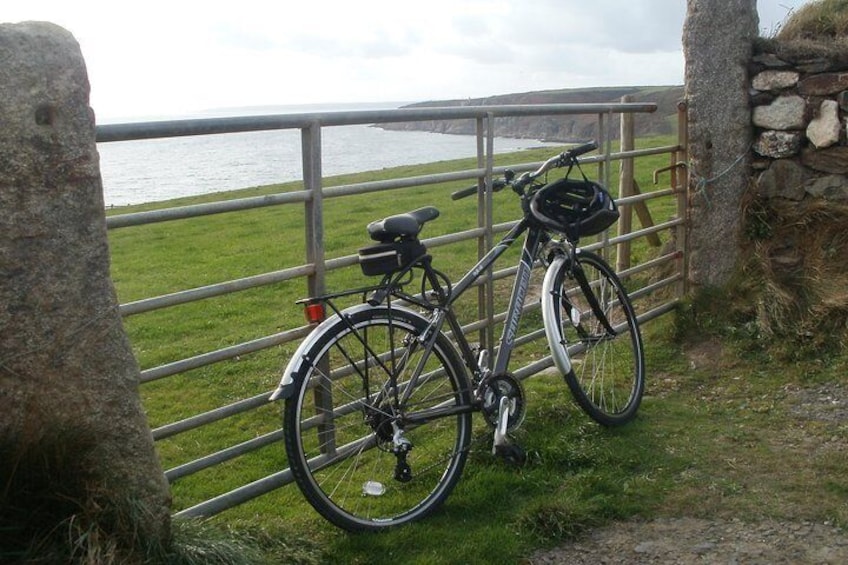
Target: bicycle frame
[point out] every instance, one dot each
(536, 237)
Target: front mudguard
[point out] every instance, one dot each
(552, 314)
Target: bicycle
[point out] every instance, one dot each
(378, 399)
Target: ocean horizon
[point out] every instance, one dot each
(154, 170)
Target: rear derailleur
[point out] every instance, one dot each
(390, 438)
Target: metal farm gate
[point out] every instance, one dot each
(652, 296)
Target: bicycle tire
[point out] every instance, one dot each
(606, 375)
(354, 481)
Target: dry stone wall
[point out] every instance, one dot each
(797, 218)
(800, 105)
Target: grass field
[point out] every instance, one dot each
(704, 441)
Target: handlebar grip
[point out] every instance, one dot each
(497, 185)
(581, 149)
(463, 192)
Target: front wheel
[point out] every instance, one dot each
(594, 338)
(353, 457)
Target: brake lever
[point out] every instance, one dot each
(518, 185)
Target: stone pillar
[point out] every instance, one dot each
(68, 378)
(717, 42)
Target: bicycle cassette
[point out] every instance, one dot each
(507, 386)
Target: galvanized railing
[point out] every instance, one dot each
(315, 266)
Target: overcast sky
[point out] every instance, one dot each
(170, 58)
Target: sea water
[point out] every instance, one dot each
(136, 172)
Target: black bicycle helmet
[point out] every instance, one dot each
(574, 207)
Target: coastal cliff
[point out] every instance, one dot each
(558, 128)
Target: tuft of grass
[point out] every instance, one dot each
(788, 299)
(817, 20)
(53, 508)
(793, 283)
(204, 542)
(558, 521)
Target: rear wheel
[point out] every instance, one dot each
(356, 461)
(607, 374)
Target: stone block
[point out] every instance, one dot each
(784, 179)
(830, 187)
(831, 160)
(824, 84)
(775, 80)
(824, 129)
(769, 60)
(778, 144)
(815, 65)
(785, 113)
(842, 100)
(67, 370)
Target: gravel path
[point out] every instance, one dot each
(685, 540)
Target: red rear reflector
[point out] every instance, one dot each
(314, 313)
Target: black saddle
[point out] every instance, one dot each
(401, 226)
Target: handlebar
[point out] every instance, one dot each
(564, 159)
(581, 149)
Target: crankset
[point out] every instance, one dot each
(503, 389)
(504, 408)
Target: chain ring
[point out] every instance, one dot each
(499, 386)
